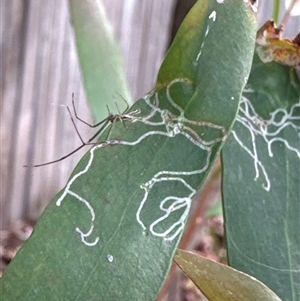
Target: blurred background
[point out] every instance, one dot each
(39, 73)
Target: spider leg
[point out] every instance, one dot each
(102, 128)
(76, 129)
(60, 159)
(83, 121)
(127, 105)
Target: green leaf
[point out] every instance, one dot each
(111, 233)
(220, 282)
(261, 180)
(99, 56)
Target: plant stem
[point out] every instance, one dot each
(276, 11)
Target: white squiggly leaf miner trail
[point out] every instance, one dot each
(179, 203)
(212, 17)
(174, 125)
(85, 202)
(269, 130)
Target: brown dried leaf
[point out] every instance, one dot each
(271, 47)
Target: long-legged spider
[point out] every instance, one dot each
(111, 118)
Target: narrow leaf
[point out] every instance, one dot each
(99, 56)
(220, 282)
(261, 189)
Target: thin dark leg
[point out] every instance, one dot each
(83, 121)
(78, 148)
(75, 126)
(60, 159)
(111, 118)
(99, 131)
(127, 105)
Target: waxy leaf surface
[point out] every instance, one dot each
(111, 233)
(261, 186)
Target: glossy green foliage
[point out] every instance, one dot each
(99, 56)
(261, 185)
(220, 282)
(111, 233)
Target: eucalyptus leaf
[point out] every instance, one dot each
(220, 282)
(111, 233)
(99, 56)
(261, 186)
